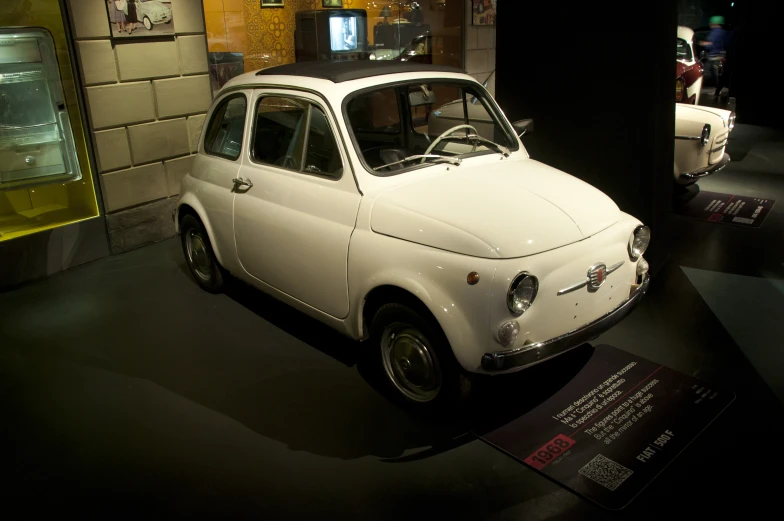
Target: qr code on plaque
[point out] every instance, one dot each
(605, 472)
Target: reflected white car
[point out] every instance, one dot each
(701, 135)
(446, 251)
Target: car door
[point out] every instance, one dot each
(297, 201)
(218, 164)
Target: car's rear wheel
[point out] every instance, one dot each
(199, 256)
(147, 23)
(414, 361)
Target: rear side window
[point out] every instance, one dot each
(226, 128)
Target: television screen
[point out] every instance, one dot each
(343, 33)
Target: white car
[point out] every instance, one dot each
(448, 253)
(153, 12)
(701, 135)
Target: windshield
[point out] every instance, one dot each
(683, 50)
(391, 124)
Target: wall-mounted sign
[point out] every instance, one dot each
(272, 3)
(139, 18)
(331, 3)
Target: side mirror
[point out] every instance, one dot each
(524, 126)
(703, 55)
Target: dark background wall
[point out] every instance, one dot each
(757, 76)
(600, 88)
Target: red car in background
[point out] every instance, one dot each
(688, 70)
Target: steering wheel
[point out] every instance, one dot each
(446, 134)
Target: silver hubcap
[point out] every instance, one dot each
(410, 363)
(198, 257)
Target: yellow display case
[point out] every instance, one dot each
(46, 182)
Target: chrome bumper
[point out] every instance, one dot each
(534, 353)
(708, 170)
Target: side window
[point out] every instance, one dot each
(278, 138)
(323, 155)
(375, 111)
(683, 50)
(224, 133)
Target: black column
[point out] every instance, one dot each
(600, 88)
(757, 74)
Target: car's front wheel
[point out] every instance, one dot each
(415, 362)
(201, 260)
(147, 23)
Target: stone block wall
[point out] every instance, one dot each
(146, 101)
(480, 47)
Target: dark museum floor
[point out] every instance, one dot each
(126, 392)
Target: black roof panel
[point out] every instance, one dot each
(347, 70)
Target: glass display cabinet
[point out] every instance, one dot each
(45, 176)
(36, 141)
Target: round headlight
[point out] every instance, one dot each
(731, 121)
(372, 56)
(638, 241)
(522, 293)
(705, 136)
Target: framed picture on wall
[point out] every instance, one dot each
(331, 3)
(483, 12)
(139, 18)
(272, 3)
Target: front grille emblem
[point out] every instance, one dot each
(597, 274)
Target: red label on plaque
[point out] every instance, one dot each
(549, 451)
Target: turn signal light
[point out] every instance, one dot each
(679, 89)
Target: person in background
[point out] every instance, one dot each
(131, 19)
(716, 50)
(119, 13)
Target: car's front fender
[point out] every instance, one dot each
(437, 278)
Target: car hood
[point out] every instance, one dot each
(156, 7)
(513, 208)
(698, 111)
(689, 120)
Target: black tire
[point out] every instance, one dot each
(417, 325)
(201, 260)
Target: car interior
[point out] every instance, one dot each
(393, 123)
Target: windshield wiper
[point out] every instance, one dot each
(475, 137)
(438, 159)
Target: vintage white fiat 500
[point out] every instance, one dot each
(449, 252)
(701, 135)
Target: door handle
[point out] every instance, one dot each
(242, 182)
